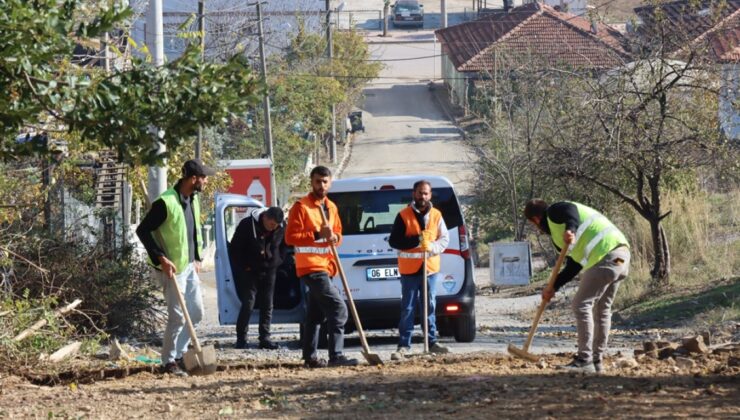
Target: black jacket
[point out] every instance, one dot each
(567, 214)
(254, 249)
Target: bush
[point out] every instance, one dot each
(118, 295)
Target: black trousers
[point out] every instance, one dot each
(251, 287)
(323, 302)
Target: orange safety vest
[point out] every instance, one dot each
(304, 220)
(410, 260)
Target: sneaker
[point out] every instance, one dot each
(598, 367)
(315, 363)
(438, 348)
(269, 345)
(400, 353)
(579, 365)
(181, 363)
(240, 344)
(343, 360)
(174, 369)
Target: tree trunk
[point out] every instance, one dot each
(661, 266)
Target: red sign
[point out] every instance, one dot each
(251, 177)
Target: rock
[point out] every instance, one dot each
(695, 344)
(168, 408)
(707, 336)
(685, 363)
(650, 348)
(665, 351)
(542, 364)
(733, 361)
(639, 352)
(626, 363)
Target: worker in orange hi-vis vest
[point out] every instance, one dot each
(418, 228)
(315, 266)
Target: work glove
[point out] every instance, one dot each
(426, 245)
(427, 234)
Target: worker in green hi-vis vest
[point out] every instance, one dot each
(601, 251)
(171, 234)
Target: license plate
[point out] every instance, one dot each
(408, 18)
(383, 273)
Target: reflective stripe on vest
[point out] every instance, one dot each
(411, 260)
(595, 237)
(411, 255)
(312, 250)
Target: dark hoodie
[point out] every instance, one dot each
(253, 248)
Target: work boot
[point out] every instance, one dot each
(598, 366)
(241, 344)
(315, 363)
(268, 344)
(400, 353)
(172, 368)
(579, 365)
(343, 360)
(181, 363)
(438, 349)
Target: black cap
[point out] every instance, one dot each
(194, 167)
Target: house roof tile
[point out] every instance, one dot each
(533, 29)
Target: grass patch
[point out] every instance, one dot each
(714, 304)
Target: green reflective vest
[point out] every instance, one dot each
(596, 236)
(172, 235)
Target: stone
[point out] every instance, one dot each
(639, 352)
(626, 363)
(685, 363)
(707, 336)
(733, 361)
(695, 344)
(667, 350)
(650, 348)
(542, 364)
(168, 408)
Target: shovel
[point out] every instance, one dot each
(425, 292)
(524, 351)
(372, 358)
(198, 360)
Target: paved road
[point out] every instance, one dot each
(406, 132)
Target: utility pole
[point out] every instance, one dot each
(157, 175)
(202, 37)
(266, 104)
(330, 54)
(443, 12)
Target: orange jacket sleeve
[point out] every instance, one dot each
(299, 231)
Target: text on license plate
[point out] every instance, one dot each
(383, 273)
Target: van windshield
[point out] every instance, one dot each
(368, 212)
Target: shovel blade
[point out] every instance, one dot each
(201, 363)
(372, 359)
(522, 354)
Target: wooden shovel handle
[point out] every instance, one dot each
(543, 304)
(425, 292)
(352, 308)
(191, 329)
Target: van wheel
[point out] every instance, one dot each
(465, 329)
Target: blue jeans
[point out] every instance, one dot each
(411, 292)
(176, 338)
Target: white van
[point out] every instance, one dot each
(368, 208)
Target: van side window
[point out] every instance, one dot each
(372, 212)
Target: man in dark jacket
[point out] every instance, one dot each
(256, 251)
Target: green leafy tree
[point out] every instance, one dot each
(41, 89)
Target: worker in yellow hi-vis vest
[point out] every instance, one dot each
(601, 251)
